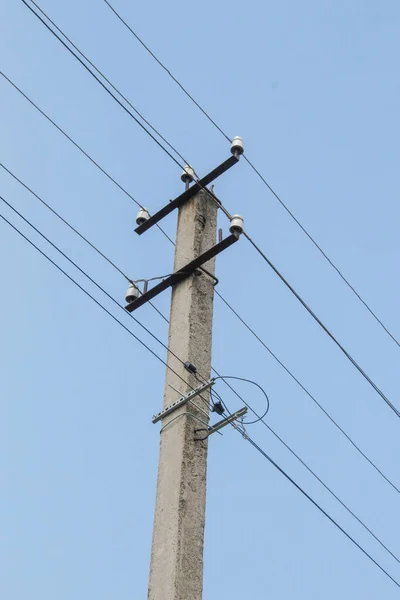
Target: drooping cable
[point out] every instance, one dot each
(258, 173)
(149, 349)
(98, 286)
(306, 495)
(51, 209)
(102, 84)
(109, 82)
(261, 417)
(96, 164)
(257, 337)
(309, 469)
(220, 296)
(298, 382)
(196, 177)
(321, 324)
(355, 364)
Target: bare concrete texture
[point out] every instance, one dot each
(176, 570)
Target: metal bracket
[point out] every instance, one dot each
(183, 273)
(188, 194)
(220, 424)
(183, 400)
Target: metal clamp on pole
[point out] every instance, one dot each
(183, 400)
(220, 424)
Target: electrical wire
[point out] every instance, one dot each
(152, 352)
(218, 375)
(99, 287)
(109, 82)
(302, 491)
(168, 71)
(101, 83)
(208, 192)
(159, 312)
(66, 222)
(258, 173)
(164, 317)
(96, 164)
(83, 289)
(314, 474)
(259, 418)
(216, 291)
(289, 372)
(355, 364)
(320, 323)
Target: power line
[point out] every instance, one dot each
(51, 209)
(99, 287)
(102, 84)
(236, 314)
(320, 323)
(210, 194)
(313, 473)
(355, 364)
(96, 164)
(164, 362)
(216, 291)
(297, 486)
(228, 305)
(258, 173)
(306, 391)
(168, 71)
(109, 82)
(82, 288)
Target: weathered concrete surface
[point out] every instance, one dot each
(176, 570)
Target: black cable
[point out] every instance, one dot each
(80, 149)
(347, 282)
(292, 481)
(83, 290)
(234, 312)
(100, 288)
(66, 222)
(304, 390)
(109, 82)
(101, 83)
(230, 307)
(355, 364)
(168, 71)
(210, 194)
(320, 323)
(313, 473)
(252, 166)
(152, 352)
(259, 418)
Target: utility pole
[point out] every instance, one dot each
(176, 569)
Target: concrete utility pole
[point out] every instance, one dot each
(176, 570)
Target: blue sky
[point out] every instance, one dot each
(313, 88)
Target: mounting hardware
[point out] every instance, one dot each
(142, 216)
(236, 225)
(183, 273)
(221, 424)
(190, 367)
(187, 174)
(218, 407)
(132, 293)
(183, 400)
(237, 146)
(188, 194)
